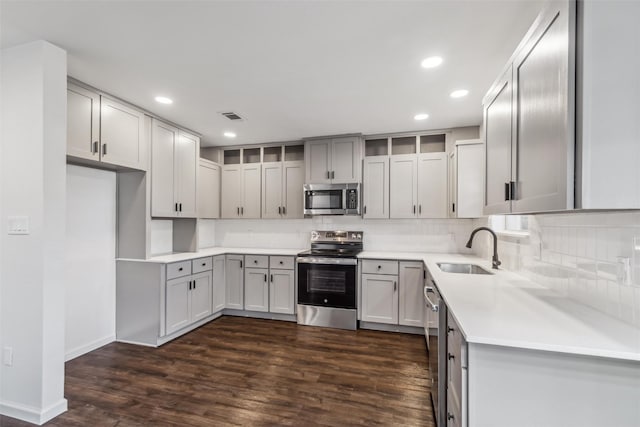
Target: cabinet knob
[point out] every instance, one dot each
(281, 263)
(255, 261)
(450, 416)
(204, 264)
(379, 267)
(180, 269)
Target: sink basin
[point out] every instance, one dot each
(462, 268)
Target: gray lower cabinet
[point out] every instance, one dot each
(281, 291)
(155, 302)
(234, 279)
(219, 291)
(188, 299)
(391, 292)
(456, 375)
(256, 289)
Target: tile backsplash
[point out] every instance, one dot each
(424, 235)
(592, 258)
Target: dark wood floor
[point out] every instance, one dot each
(239, 371)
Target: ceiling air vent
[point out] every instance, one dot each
(231, 115)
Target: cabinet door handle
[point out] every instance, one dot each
(453, 207)
(450, 329)
(333, 174)
(238, 210)
(265, 278)
(104, 149)
(271, 278)
(395, 286)
(328, 175)
(364, 209)
(449, 416)
(242, 210)
(507, 192)
(414, 209)
(284, 210)
(194, 284)
(450, 356)
(180, 204)
(420, 209)
(176, 208)
(279, 210)
(189, 284)
(512, 190)
(94, 149)
(240, 264)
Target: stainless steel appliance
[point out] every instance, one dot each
(327, 278)
(437, 349)
(331, 199)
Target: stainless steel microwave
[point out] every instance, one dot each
(332, 199)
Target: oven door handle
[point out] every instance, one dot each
(328, 261)
(434, 307)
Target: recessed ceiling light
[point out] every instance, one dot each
(164, 100)
(459, 93)
(421, 116)
(230, 134)
(431, 62)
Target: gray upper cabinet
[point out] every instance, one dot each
(529, 120)
(333, 160)
(208, 189)
(544, 104)
(174, 165)
(375, 188)
(497, 125)
(83, 123)
(105, 131)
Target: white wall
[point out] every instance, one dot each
(577, 254)
(90, 260)
(33, 129)
(424, 235)
(161, 236)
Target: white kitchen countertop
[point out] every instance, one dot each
(507, 309)
(183, 256)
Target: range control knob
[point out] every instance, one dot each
(326, 300)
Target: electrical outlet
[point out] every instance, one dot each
(18, 225)
(7, 356)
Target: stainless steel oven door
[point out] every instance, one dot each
(327, 282)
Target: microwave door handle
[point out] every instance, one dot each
(344, 200)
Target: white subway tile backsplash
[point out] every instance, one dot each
(580, 254)
(419, 235)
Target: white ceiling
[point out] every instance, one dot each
(293, 69)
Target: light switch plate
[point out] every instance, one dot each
(7, 356)
(18, 225)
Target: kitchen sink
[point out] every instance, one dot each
(448, 267)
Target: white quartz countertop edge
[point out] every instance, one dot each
(184, 256)
(506, 309)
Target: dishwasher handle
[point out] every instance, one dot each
(434, 307)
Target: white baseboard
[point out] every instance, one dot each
(84, 349)
(32, 414)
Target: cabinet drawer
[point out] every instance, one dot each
(256, 261)
(178, 269)
(202, 264)
(375, 266)
(282, 262)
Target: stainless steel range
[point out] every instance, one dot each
(327, 278)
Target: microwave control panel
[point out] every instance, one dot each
(352, 199)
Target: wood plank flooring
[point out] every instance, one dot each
(251, 372)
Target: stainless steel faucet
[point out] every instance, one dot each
(495, 262)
